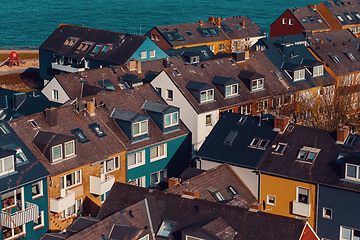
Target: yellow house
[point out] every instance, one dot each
(288, 197)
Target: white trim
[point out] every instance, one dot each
(158, 176)
(164, 155)
(152, 53)
(171, 119)
(73, 144)
(297, 194)
(324, 213)
(41, 190)
(42, 224)
(2, 162)
(137, 162)
(78, 180)
(140, 182)
(268, 198)
(52, 153)
(140, 132)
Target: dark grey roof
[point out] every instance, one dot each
(124, 115)
(124, 45)
(223, 80)
(154, 107)
(250, 75)
(340, 8)
(192, 51)
(80, 224)
(238, 153)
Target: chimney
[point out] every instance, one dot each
(173, 181)
(240, 56)
(321, 41)
(51, 116)
(218, 21)
(201, 22)
(280, 123)
(256, 206)
(191, 192)
(134, 65)
(243, 23)
(211, 19)
(312, 6)
(306, 33)
(91, 107)
(342, 134)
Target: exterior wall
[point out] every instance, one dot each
(309, 233)
(54, 84)
(45, 64)
(158, 39)
(148, 46)
(204, 129)
(277, 28)
(249, 176)
(329, 17)
(285, 192)
(90, 202)
(176, 161)
(187, 113)
(344, 205)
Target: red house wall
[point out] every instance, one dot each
(157, 38)
(277, 28)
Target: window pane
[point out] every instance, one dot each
(167, 120)
(228, 91)
(346, 233)
(162, 175)
(56, 152)
(351, 171)
(153, 178)
(35, 189)
(203, 96)
(136, 128)
(140, 157)
(311, 156)
(78, 176)
(234, 89)
(144, 127)
(69, 148)
(210, 95)
(175, 118)
(260, 83)
(116, 162)
(162, 150)
(8, 163)
(1, 166)
(153, 152)
(302, 154)
(110, 165)
(131, 159)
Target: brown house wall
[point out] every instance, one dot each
(162, 43)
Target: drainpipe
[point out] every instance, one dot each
(317, 208)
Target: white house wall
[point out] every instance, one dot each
(187, 113)
(204, 130)
(249, 176)
(55, 85)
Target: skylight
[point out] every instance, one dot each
(242, 120)
(213, 32)
(350, 55)
(169, 36)
(179, 36)
(206, 33)
(229, 139)
(237, 26)
(70, 42)
(189, 33)
(259, 143)
(303, 20)
(319, 19)
(96, 129)
(105, 48)
(348, 17)
(226, 28)
(4, 129)
(204, 53)
(335, 58)
(308, 154)
(216, 194)
(280, 148)
(34, 124)
(96, 49)
(165, 229)
(79, 135)
(311, 19)
(233, 191)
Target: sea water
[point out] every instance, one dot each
(30, 22)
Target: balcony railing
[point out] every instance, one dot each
(302, 209)
(12, 220)
(67, 68)
(99, 187)
(59, 204)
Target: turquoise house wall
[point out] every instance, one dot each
(178, 150)
(147, 46)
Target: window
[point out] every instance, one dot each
(70, 42)
(79, 207)
(280, 148)
(335, 58)
(84, 46)
(138, 182)
(349, 233)
(270, 200)
(204, 53)
(230, 137)
(222, 47)
(7, 165)
(308, 154)
(34, 124)
(70, 180)
(219, 197)
(56, 153)
(69, 148)
(207, 95)
(327, 213)
(350, 55)
(311, 19)
(261, 106)
(299, 74)
(55, 94)
(96, 49)
(140, 128)
(245, 109)
(340, 18)
(259, 143)
(177, 72)
(105, 48)
(146, 237)
(303, 20)
(302, 195)
(257, 84)
(208, 120)
(136, 159)
(319, 19)
(110, 165)
(169, 95)
(152, 53)
(96, 129)
(194, 59)
(231, 90)
(318, 71)
(143, 55)
(157, 176)
(212, 48)
(171, 119)
(291, 21)
(13, 232)
(4, 129)
(9, 199)
(39, 222)
(104, 196)
(352, 172)
(165, 229)
(158, 152)
(37, 190)
(189, 33)
(284, 21)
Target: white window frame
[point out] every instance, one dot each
(2, 165)
(284, 21)
(116, 160)
(55, 94)
(276, 150)
(259, 142)
(208, 121)
(52, 153)
(259, 84)
(234, 90)
(326, 215)
(15, 192)
(212, 48)
(40, 189)
(352, 233)
(104, 196)
(13, 236)
(308, 150)
(143, 55)
(299, 75)
(152, 53)
(168, 97)
(357, 178)
(222, 46)
(291, 21)
(164, 155)
(42, 224)
(268, 197)
(297, 194)
(172, 122)
(158, 176)
(140, 131)
(140, 182)
(146, 237)
(78, 180)
(73, 144)
(207, 96)
(318, 71)
(137, 158)
(262, 105)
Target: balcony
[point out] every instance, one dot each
(99, 187)
(301, 209)
(67, 68)
(59, 204)
(22, 216)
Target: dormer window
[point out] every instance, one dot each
(299, 74)
(352, 172)
(280, 148)
(335, 58)
(56, 153)
(194, 59)
(207, 95)
(257, 84)
(259, 143)
(69, 148)
(165, 229)
(308, 154)
(231, 90)
(350, 55)
(171, 119)
(140, 128)
(7, 165)
(318, 70)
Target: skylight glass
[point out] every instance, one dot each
(96, 49)
(4, 129)
(206, 33)
(165, 229)
(229, 139)
(213, 32)
(105, 48)
(303, 20)
(79, 135)
(189, 33)
(170, 37)
(227, 29)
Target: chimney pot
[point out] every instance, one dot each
(191, 192)
(342, 134)
(280, 123)
(201, 22)
(173, 181)
(243, 23)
